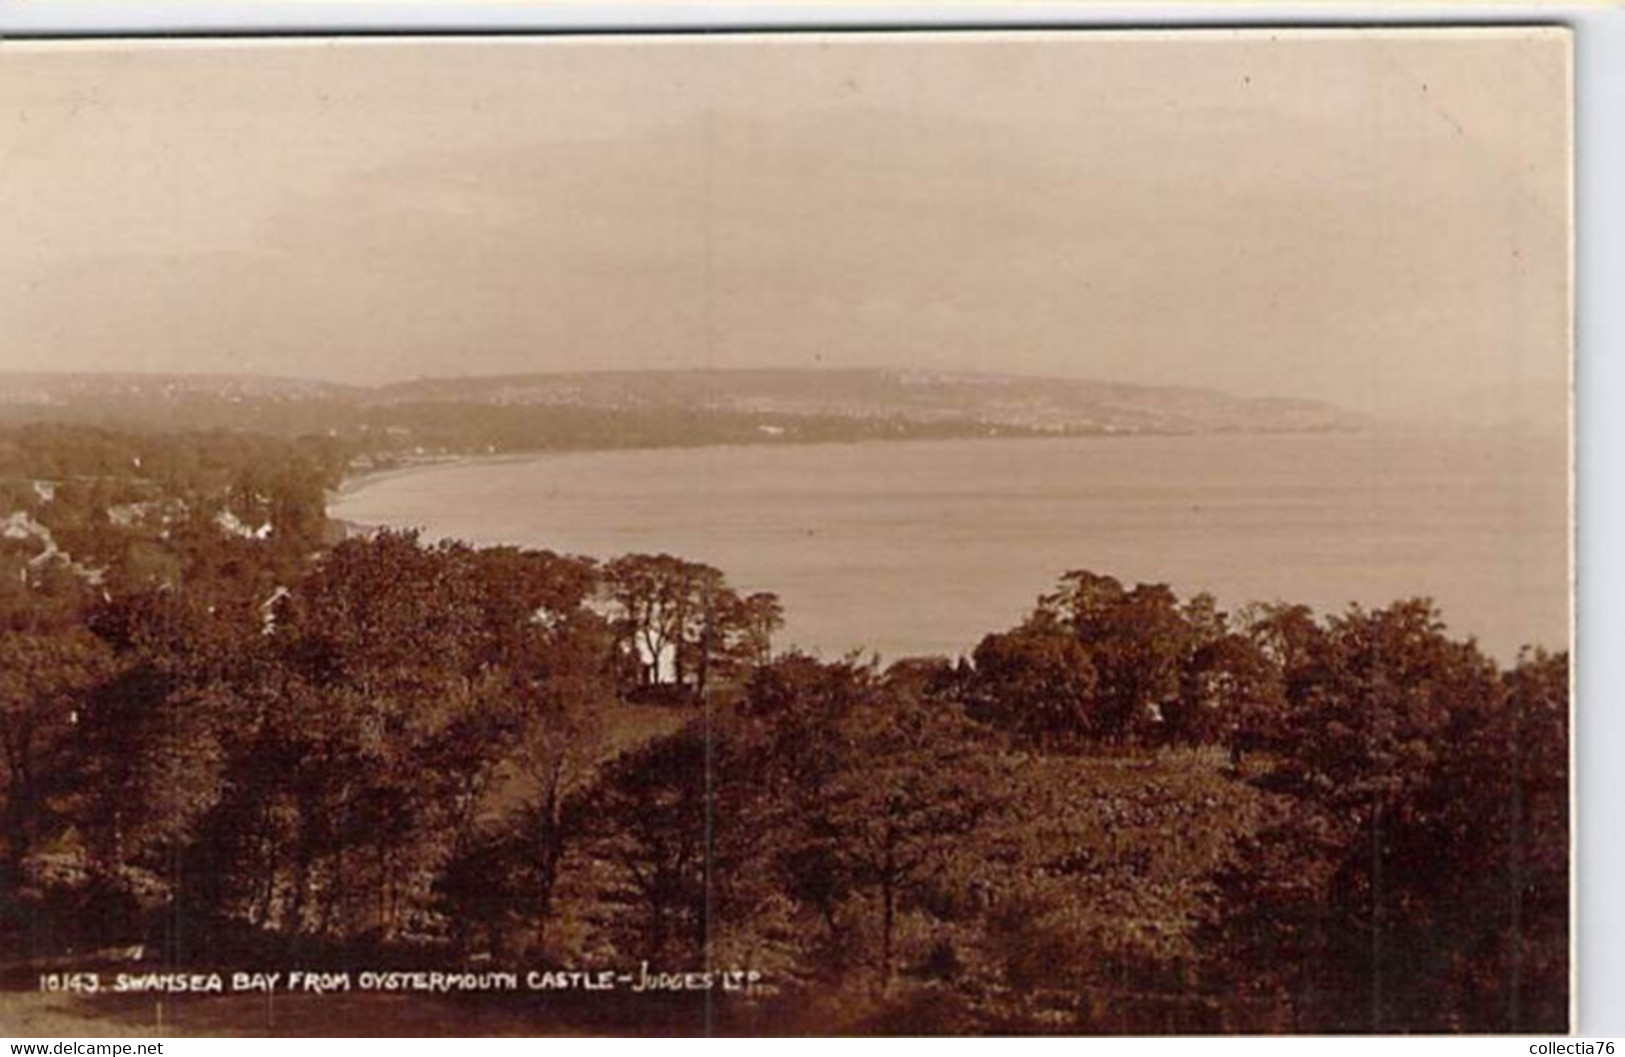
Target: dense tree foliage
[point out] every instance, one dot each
(682, 623)
(221, 730)
(1420, 879)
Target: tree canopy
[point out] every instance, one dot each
(227, 733)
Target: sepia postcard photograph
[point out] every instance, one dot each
(996, 532)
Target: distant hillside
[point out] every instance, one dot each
(42, 388)
(647, 409)
(1048, 404)
(284, 407)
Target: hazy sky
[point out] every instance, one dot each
(1375, 219)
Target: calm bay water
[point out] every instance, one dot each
(922, 547)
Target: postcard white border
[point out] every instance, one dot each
(1599, 364)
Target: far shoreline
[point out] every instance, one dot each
(354, 481)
